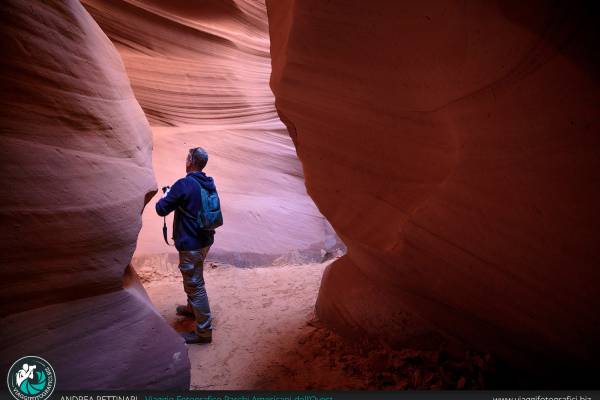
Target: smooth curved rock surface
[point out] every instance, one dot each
(454, 147)
(193, 62)
(75, 162)
(200, 71)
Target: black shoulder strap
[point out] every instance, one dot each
(165, 231)
(183, 210)
(180, 208)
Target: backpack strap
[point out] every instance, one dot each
(204, 201)
(187, 214)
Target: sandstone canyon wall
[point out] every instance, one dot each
(75, 161)
(454, 147)
(200, 71)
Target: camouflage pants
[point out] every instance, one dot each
(191, 265)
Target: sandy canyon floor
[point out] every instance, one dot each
(267, 337)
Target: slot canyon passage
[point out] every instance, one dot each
(453, 146)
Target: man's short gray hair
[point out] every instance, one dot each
(198, 157)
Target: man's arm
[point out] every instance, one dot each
(172, 200)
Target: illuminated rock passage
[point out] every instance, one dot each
(454, 147)
(200, 71)
(75, 162)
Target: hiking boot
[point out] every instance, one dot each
(184, 311)
(194, 338)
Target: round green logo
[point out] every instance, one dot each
(31, 378)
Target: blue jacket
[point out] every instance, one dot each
(186, 193)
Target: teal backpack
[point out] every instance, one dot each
(209, 217)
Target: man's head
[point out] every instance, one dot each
(196, 159)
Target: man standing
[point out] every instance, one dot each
(187, 197)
